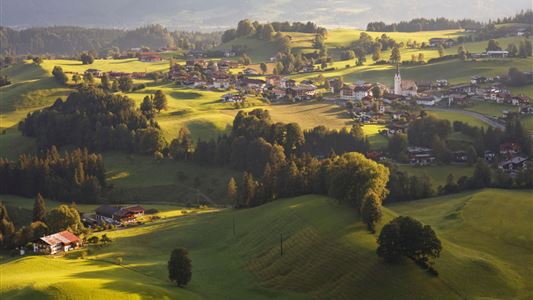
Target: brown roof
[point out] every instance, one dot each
(65, 237)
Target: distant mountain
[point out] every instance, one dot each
(207, 15)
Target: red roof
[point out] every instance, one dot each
(65, 237)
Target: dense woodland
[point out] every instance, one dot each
(97, 120)
(76, 175)
(422, 24)
(72, 40)
(248, 28)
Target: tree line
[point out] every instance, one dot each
(422, 24)
(71, 40)
(97, 120)
(75, 175)
(266, 31)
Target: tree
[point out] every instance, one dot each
(245, 28)
(395, 56)
(263, 67)
(37, 60)
(461, 53)
(182, 146)
(7, 228)
(516, 77)
(405, 236)
(88, 78)
(39, 209)
(59, 75)
(232, 192)
(371, 211)
(114, 86)
(125, 83)
(86, 58)
(512, 49)
(105, 81)
(471, 155)
(397, 146)
(160, 101)
(440, 49)
(179, 267)
(245, 59)
(147, 107)
(482, 176)
(64, 218)
(421, 57)
(493, 45)
(376, 54)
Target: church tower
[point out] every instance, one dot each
(397, 81)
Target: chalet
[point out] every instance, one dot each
(149, 56)
(362, 91)
(435, 42)
(497, 53)
(58, 242)
(304, 91)
(221, 80)
(250, 71)
(232, 98)
(409, 88)
(509, 149)
(420, 156)
(94, 72)
(116, 214)
(513, 165)
(278, 92)
(252, 83)
(520, 100)
(396, 127)
(347, 93)
(463, 88)
(274, 80)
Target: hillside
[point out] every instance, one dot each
(214, 14)
(327, 253)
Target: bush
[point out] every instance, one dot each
(151, 211)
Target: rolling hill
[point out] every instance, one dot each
(327, 252)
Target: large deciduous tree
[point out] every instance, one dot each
(180, 267)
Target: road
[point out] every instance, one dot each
(491, 121)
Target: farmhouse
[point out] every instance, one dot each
(149, 56)
(58, 242)
(303, 91)
(513, 165)
(232, 98)
(435, 42)
(420, 156)
(497, 54)
(252, 83)
(116, 214)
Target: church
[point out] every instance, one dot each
(406, 88)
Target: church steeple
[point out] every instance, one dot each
(397, 80)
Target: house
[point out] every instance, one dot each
(520, 100)
(232, 98)
(116, 214)
(347, 93)
(252, 83)
(509, 149)
(58, 242)
(427, 100)
(94, 72)
(442, 83)
(221, 80)
(497, 53)
(149, 56)
(362, 91)
(250, 71)
(435, 42)
(424, 85)
(288, 83)
(396, 127)
(420, 156)
(274, 80)
(513, 165)
(304, 91)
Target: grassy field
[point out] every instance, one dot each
(491, 109)
(439, 174)
(457, 116)
(138, 178)
(327, 254)
(106, 65)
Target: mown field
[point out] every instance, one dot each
(327, 253)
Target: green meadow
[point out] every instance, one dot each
(327, 253)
